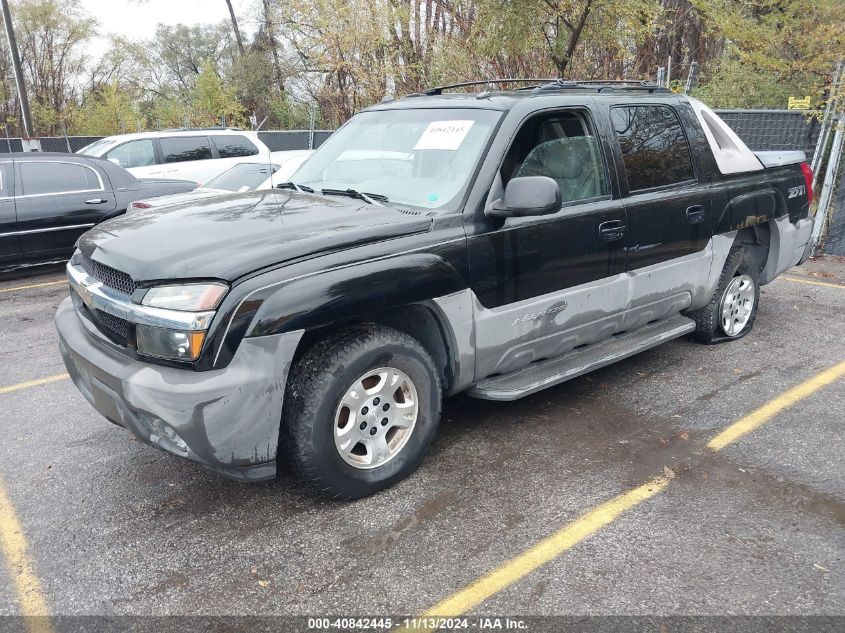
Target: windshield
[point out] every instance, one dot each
(97, 148)
(242, 177)
(419, 157)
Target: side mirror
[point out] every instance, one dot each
(527, 195)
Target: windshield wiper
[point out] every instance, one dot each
(294, 186)
(372, 198)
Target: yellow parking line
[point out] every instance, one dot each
(588, 524)
(814, 283)
(30, 593)
(517, 568)
(771, 408)
(33, 383)
(27, 287)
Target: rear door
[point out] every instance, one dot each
(56, 203)
(140, 157)
(670, 219)
(189, 158)
(10, 247)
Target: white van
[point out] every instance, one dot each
(189, 154)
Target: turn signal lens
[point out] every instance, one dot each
(168, 344)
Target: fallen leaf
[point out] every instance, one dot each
(264, 583)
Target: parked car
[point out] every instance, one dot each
(239, 178)
(48, 200)
(503, 243)
(184, 154)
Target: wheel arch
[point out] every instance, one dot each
(424, 321)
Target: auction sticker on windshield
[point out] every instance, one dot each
(444, 135)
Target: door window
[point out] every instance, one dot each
(5, 191)
(41, 178)
(178, 149)
(232, 146)
(133, 154)
(563, 147)
(654, 147)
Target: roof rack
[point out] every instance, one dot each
(438, 90)
(549, 84)
(210, 128)
(602, 85)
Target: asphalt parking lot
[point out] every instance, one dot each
(111, 527)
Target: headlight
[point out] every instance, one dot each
(169, 344)
(189, 297)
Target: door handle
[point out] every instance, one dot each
(95, 201)
(695, 214)
(612, 230)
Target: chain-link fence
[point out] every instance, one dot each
(276, 140)
(773, 130)
(834, 241)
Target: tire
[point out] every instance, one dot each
(315, 412)
(738, 273)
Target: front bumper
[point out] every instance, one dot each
(227, 420)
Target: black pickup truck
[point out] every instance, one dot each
(494, 243)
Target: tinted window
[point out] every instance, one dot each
(653, 145)
(242, 177)
(133, 154)
(177, 149)
(56, 177)
(231, 146)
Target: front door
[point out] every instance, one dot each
(10, 246)
(670, 219)
(548, 284)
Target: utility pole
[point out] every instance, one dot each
(30, 143)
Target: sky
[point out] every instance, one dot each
(137, 19)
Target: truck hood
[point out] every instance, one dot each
(226, 237)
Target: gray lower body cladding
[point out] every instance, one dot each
(226, 420)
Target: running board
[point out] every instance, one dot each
(547, 373)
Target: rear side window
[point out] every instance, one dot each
(654, 147)
(178, 149)
(133, 154)
(40, 178)
(232, 146)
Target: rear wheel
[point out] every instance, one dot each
(360, 411)
(731, 312)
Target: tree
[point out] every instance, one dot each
(110, 109)
(235, 28)
(52, 35)
(212, 101)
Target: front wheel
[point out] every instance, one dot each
(731, 312)
(361, 409)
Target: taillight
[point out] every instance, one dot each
(808, 180)
(141, 205)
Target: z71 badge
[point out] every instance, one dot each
(794, 192)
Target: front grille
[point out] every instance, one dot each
(108, 276)
(114, 327)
